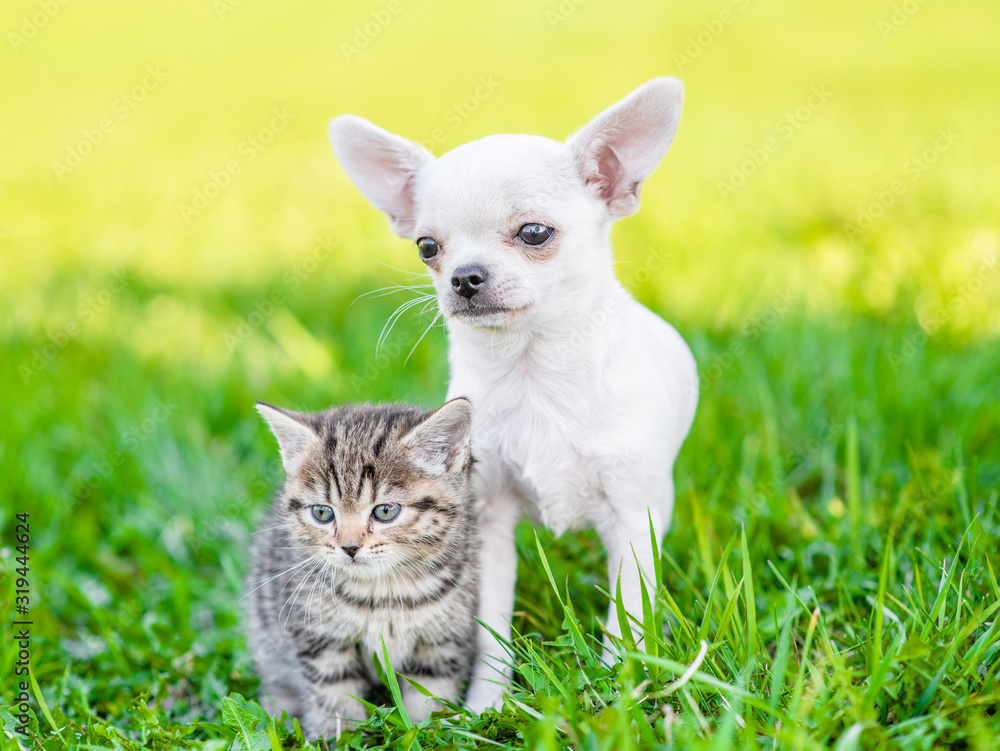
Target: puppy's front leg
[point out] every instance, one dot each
(497, 576)
(628, 542)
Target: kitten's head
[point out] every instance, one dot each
(375, 490)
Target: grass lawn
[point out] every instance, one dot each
(178, 242)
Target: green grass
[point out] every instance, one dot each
(832, 565)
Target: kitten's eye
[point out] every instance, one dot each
(323, 514)
(535, 234)
(386, 512)
(428, 247)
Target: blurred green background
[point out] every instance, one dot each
(177, 241)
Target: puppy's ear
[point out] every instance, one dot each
(383, 165)
(441, 442)
(617, 150)
(294, 433)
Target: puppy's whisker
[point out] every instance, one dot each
(397, 314)
(429, 327)
(393, 319)
(391, 289)
(417, 274)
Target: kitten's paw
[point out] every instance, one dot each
(483, 695)
(331, 723)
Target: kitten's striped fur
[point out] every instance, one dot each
(316, 612)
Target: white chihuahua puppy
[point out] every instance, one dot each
(583, 396)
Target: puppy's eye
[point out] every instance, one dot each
(323, 514)
(427, 247)
(386, 512)
(535, 234)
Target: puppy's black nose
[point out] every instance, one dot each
(351, 550)
(467, 280)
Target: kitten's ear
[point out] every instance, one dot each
(383, 165)
(295, 435)
(441, 442)
(617, 150)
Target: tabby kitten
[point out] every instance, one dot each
(370, 538)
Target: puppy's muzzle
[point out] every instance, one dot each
(468, 280)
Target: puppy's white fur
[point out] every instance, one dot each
(583, 397)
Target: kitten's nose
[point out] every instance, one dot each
(467, 280)
(351, 550)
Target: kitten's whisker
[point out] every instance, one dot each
(322, 610)
(267, 529)
(287, 570)
(309, 602)
(312, 591)
(289, 581)
(409, 569)
(290, 601)
(333, 593)
(293, 593)
(327, 569)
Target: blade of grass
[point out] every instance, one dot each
(658, 577)
(800, 681)
(704, 679)
(623, 619)
(928, 693)
(943, 589)
(650, 637)
(571, 621)
(853, 480)
(751, 602)
(393, 686)
(881, 670)
(706, 619)
(851, 739)
(781, 653)
(880, 602)
(45, 707)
